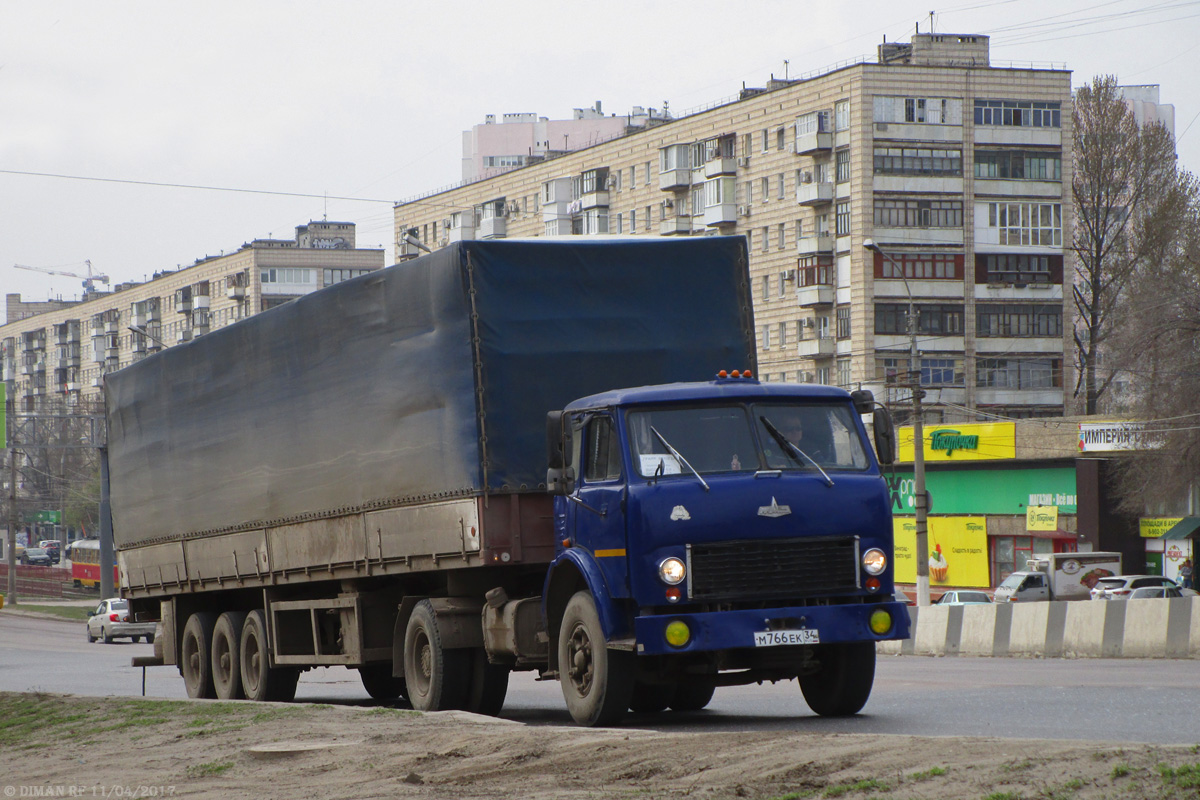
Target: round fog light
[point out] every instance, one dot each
(677, 634)
(880, 622)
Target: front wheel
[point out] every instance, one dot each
(597, 682)
(842, 684)
(693, 696)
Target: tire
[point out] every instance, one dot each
(226, 663)
(150, 638)
(104, 635)
(597, 682)
(437, 679)
(379, 682)
(842, 685)
(651, 698)
(195, 651)
(489, 685)
(134, 639)
(89, 635)
(261, 681)
(693, 696)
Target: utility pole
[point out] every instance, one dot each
(920, 496)
(11, 424)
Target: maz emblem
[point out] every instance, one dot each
(680, 513)
(774, 510)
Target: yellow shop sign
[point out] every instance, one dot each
(1041, 518)
(1155, 527)
(968, 441)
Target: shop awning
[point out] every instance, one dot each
(1184, 529)
(1058, 533)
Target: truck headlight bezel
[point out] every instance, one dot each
(672, 571)
(874, 561)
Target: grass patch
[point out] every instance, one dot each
(794, 796)
(933, 772)
(1121, 771)
(861, 786)
(1003, 796)
(1184, 777)
(209, 770)
(75, 613)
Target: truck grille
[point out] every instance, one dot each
(773, 568)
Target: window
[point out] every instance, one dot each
(1038, 224)
(595, 220)
(766, 140)
(782, 333)
(843, 322)
(646, 168)
(1018, 320)
(766, 287)
(843, 165)
(922, 266)
(603, 459)
(922, 110)
(780, 135)
(504, 161)
(781, 185)
(814, 271)
(1019, 165)
(620, 224)
(906, 213)
(333, 276)
(649, 222)
(816, 122)
(941, 372)
(937, 319)
(781, 233)
(843, 219)
(293, 275)
(766, 337)
(917, 161)
(822, 375)
(843, 372)
(718, 191)
(766, 238)
(1017, 113)
(841, 115)
(1017, 268)
(1018, 373)
(766, 189)
(676, 156)
(594, 180)
(633, 221)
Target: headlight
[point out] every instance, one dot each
(672, 571)
(874, 561)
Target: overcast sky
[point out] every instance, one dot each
(368, 98)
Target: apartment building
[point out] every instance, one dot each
(61, 355)
(953, 168)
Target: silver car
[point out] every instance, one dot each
(1120, 587)
(961, 597)
(110, 620)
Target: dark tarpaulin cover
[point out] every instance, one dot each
(364, 394)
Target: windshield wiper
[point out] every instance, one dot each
(792, 450)
(678, 455)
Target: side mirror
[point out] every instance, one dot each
(864, 401)
(560, 477)
(885, 436)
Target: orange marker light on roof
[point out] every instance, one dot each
(747, 373)
(722, 374)
(736, 374)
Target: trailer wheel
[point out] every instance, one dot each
(693, 696)
(651, 698)
(843, 683)
(196, 655)
(489, 685)
(380, 683)
(226, 664)
(437, 678)
(261, 681)
(597, 682)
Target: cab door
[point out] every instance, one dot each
(599, 502)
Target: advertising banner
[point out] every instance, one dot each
(987, 491)
(963, 547)
(967, 441)
(1041, 518)
(1102, 437)
(1154, 527)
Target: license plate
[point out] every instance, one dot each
(779, 638)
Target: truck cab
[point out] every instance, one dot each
(724, 532)
(1022, 587)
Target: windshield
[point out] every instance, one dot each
(738, 438)
(1012, 581)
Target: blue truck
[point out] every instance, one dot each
(506, 455)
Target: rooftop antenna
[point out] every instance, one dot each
(931, 22)
(785, 69)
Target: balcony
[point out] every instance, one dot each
(593, 200)
(235, 292)
(183, 336)
(461, 233)
(72, 386)
(952, 237)
(675, 225)
(200, 301)
(726, 165)
(815, 194)
(493, 228)
(809, 143)
(821, 347)
(815, 295)
(815, 244)
(675, 179)
(720, 214)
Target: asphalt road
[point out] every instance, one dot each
(1153, 701)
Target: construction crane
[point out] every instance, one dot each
(89, 280)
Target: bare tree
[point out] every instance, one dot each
(1118, 168)
(1161, 343)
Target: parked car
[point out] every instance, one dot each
(1120, 587)
(902, 597)
(1147, 592)
(963, 597)
(110, 620)
(35, 556)
(53, 547)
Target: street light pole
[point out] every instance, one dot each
(914, 376)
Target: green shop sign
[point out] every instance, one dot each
(46, 517)
(950, 440)
(987, 491)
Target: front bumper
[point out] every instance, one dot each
(727, 630)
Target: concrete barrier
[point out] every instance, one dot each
(1083, 629)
